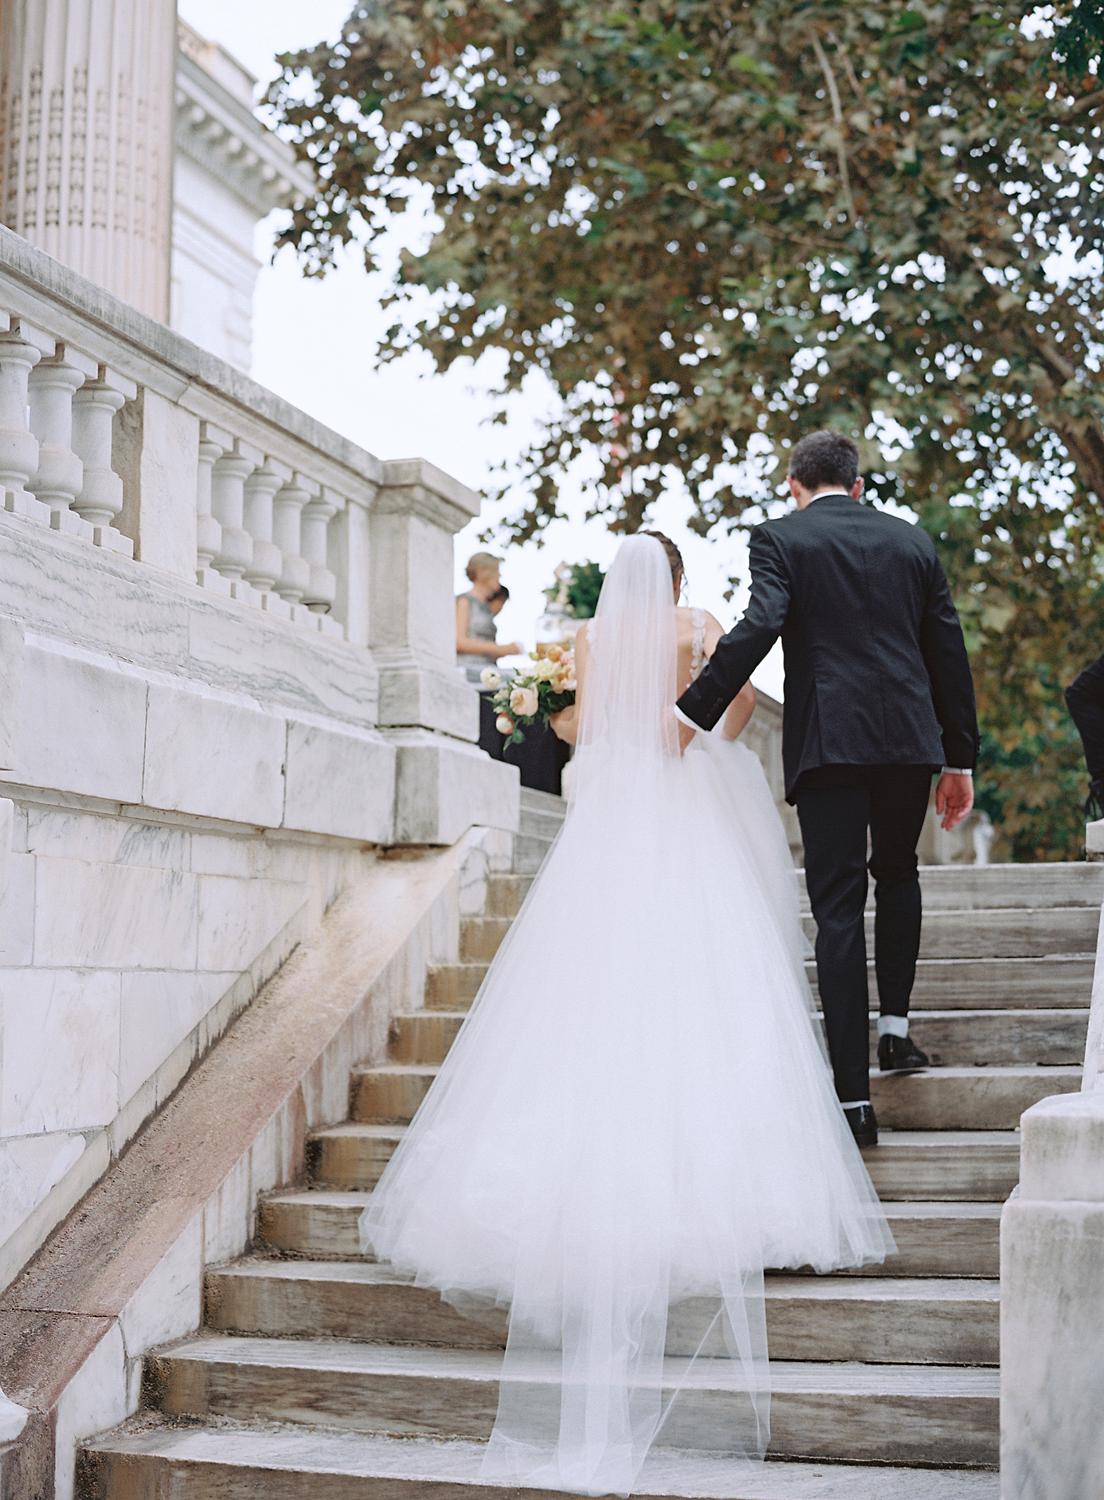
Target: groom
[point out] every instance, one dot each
(878, 697)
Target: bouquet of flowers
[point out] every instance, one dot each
(535, 692)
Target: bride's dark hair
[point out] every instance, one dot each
(674, 556)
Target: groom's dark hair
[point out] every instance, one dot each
(825, 458)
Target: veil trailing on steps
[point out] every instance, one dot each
(636, 1118)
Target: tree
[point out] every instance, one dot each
(713, 224)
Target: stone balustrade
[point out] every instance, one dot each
(118, 434)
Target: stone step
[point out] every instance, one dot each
(992, 887)
(989, 1098)
(530, 852)
(944, 1166)
(312, 1222)
(933, 1239)
(887, 1320)
(952, 1038)
(536, 823)
(351, 1156)
(941, 1098)
(1003, 933)
(1026, 885)
(156, 1461)
(941, 983)
(505, 893)
(909, 1165)
(543, 802)
(923, 1413)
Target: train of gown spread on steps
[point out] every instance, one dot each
(637, 1117)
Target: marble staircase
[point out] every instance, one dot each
(320, 1374)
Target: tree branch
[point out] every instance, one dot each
(837, 114)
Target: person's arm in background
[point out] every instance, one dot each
(952, 685)
(470, 645)
(1085, 700)
(565, 724)
(737, 654)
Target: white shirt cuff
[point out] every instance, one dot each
(688, 722)
(954, 771)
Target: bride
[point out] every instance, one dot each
(637, 1116)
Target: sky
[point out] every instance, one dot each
(314, 344)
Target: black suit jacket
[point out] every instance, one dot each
(876, 667)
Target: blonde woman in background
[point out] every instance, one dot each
(477, 644)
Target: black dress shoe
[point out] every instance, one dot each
(863, 1123)
(900, 1054)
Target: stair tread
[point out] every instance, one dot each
(351, 1198)
(940, 1070)
(819, 1288)
(321, 1453)
(934, 1139)
(845, 1377)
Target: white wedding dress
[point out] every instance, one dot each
(637, 1117)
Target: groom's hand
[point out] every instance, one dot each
(954, 797)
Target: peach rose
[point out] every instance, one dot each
(504, 724)
(524, 702)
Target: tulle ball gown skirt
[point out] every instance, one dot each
(636, 1120)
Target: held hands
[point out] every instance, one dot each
(954, 797)
(685, 734)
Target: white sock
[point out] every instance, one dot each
(893, 1025)
(855, 1103)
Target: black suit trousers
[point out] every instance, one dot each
(839, 808)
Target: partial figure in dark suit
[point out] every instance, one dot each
(878, 697)
(1085, 699)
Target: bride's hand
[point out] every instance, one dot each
(685, 734)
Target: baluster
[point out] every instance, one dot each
(228, 504)
(294, 579)
(100, 498)
(52, 385)
(212, 444)
(267, 564)
(19, 354)
(321, 592)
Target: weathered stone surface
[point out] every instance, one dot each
(217, 1463)
(818, 1411)
(339, 782)
(207, 754)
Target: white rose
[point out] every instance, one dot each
(490, 677)
(545, 670)
(504, 724)
(524, 702)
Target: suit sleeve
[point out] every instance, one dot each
(952, 684)
(1085, 697)
(738, 653)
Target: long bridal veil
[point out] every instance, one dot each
(635, 1118)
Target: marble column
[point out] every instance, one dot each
(87, 115)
